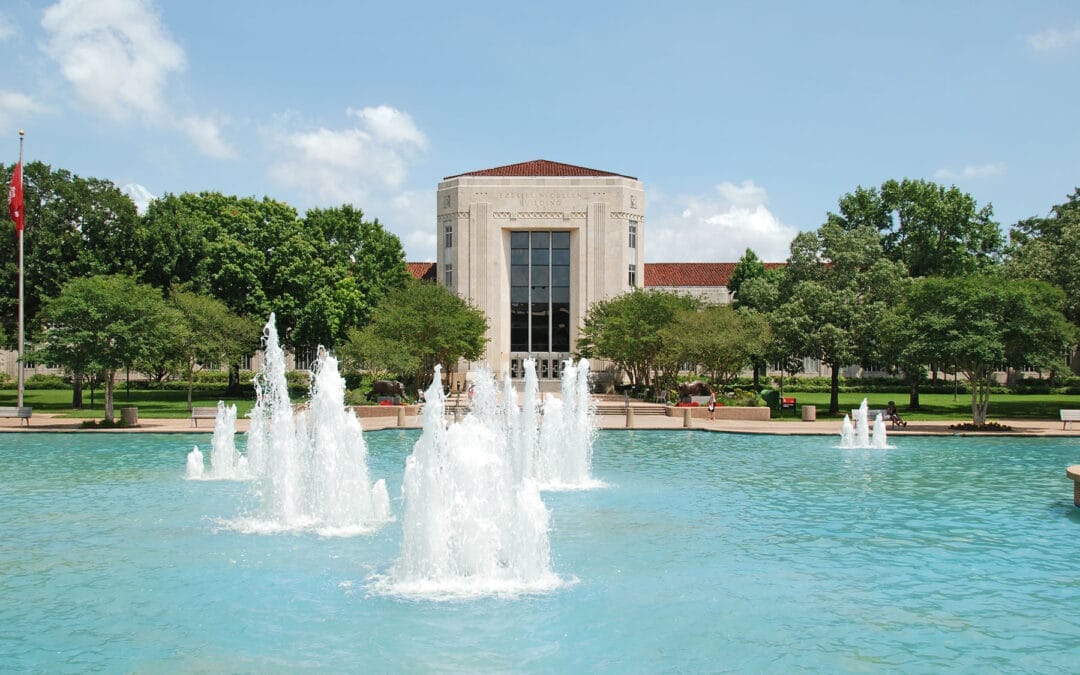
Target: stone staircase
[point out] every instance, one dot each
(617, 406)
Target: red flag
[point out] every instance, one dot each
(15, 198)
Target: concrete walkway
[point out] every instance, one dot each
(45, 422)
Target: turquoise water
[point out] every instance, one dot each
(706, 552)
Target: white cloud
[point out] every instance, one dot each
(390, 125)
(972, 172)
(411, 216)
(118, 57)
(115, 53)
(347, 165)
(138, 194)
(7, 28)
(15, 107)
(1054, 40)
(205, 133)
(717, 228)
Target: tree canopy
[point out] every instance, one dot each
(104, 323)
(207, 333)
(75, 227)
(413, 329)
(982, 324)
(1048, 249)
(838, 288)
(320, 275)
(628, 330)
(933, 230)
(718, 339)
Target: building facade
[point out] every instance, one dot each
(534, 245)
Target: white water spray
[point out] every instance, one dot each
(856, 434)
(474, 522)
(225, 462)
(309, 468)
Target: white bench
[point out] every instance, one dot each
(14, 411)
(203, 414)
(1068, 417)
(871, 414)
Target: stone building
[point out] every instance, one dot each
(534, 245)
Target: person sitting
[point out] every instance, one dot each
(894, 417)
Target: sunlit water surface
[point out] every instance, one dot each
(704, 552)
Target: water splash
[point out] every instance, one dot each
(856, 434)
(474, 522)
(309, 468)
(225, 462)
(567, 433)
(194, 469)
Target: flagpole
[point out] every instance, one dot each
(22, 373)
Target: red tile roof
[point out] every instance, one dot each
(424, 271)
(692, 274)
(656, 274)
(540, 167)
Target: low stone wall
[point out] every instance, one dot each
(363, 411)
(723, 412)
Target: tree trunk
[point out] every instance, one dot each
(233, 388)
(191, 381)
(757, 383)
(109, 384)
(834, 392)
(913, 394)
(980, 396)
(76, 389)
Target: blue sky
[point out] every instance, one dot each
(745, 121)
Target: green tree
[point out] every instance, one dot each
(838, 288)
(103, 324)
(320, 275)
(413, 329)
(1048, 249)
(749, 267)
(74, 227)
(933, 230)
(981, 324)
(718, 339)
(208, 333)
(627, 330)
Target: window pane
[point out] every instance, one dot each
(540, 294)
(560, 330)
(519, 294)
(539, 240)
(560, 256)
(519, 256)
(560, 294)
(519, 327)
(539, 256)
(519, 275)
(519, 240)
(540, 327)
(560, 240)
(560, 275)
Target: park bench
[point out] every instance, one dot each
(13, 411)
(202, 414)
(1068, 417)
(871, 414)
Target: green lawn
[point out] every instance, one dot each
(173, 404)
(943, 407)
(151, 403)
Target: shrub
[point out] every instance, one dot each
(46, 382)
(742, 397)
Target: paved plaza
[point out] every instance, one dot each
(45, 422)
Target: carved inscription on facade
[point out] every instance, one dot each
(539, 201)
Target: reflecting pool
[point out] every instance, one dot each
(702, 552)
